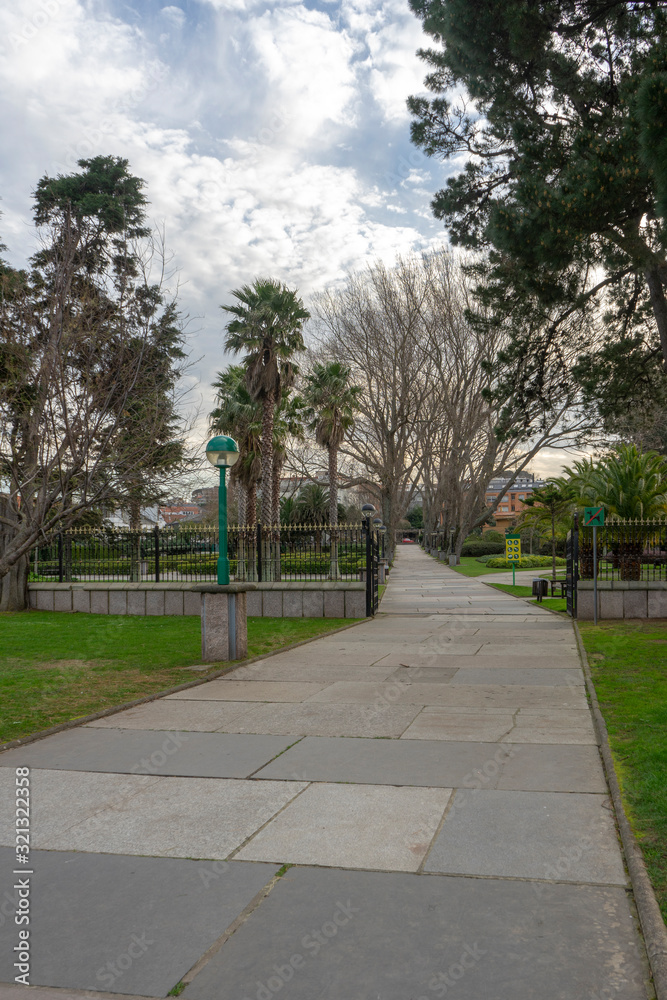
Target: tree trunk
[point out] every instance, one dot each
(135, 541)
(334, 571)
(275, 515)
(251, 506)
(659, 305)
(553, 544)
(268, 408)
(251, 554)
(241, 494)
(14, 584)
(275, 491)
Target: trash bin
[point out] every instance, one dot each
(540, 588)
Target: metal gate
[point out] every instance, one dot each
(572, 568)
(373, 542)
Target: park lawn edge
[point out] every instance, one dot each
(92, 716)
(651, 920)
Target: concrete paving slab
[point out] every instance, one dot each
(322, 674)
(191, 716)
(532, 734)
(131, 751)
(13, 992)
(536, 676)
(448, 724)
(362, 935)
(353, 826)
(465, 695)
(565, 661)
(231, 690)
(312, 654)
(439, 654)
(309, 719)
(387, 762)
(174, 817)
(565, 718)
(128, 924)
(538, 835)
(425, 675)
(61, 799)
(536, 649)
(554, 769)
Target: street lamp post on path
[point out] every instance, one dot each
(222, 452)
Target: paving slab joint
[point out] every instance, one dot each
(650, 917)
(233, 927)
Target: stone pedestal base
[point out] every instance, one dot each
(224, 622)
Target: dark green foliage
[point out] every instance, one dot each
(564, 182)
(482, 548)
(416, 517)
(91, 352)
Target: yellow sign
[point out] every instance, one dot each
(513, 548)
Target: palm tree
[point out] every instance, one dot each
(630, 483)
(550, 506)
(312, 505)
(331, 402)
(267, 330)
(288, 423)
(239, 415)
(330, 405)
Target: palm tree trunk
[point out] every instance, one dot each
(553, 544)
(268, 550)
(251, 510)
(268, 415)
(275, 513)
(241, 563)
(251, 506)
(334, 571)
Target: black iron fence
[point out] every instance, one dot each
(626, 550)
(189, 553)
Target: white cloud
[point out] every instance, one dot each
(175, 15)
(267, 142)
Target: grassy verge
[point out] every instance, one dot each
(629, 666)
(553, 603)
(470, 567)
(56, 666)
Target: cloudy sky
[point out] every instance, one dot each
(273, 137)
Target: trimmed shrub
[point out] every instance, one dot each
(526, 562)
(480, 548)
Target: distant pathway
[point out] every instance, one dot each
(431, 776)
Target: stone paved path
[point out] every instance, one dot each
(431, 776)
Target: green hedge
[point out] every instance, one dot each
(526, 562)
(480, 548)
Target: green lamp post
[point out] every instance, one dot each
(222, 452)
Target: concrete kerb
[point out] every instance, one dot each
(73, 723)
(650, 917)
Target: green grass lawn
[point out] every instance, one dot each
(56, 666)
(553, 603)
(629, 666)
(470, 567)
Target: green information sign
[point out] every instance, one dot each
(513, 548)
(593, 517)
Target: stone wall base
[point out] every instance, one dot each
(620, 599)
(269, 600)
